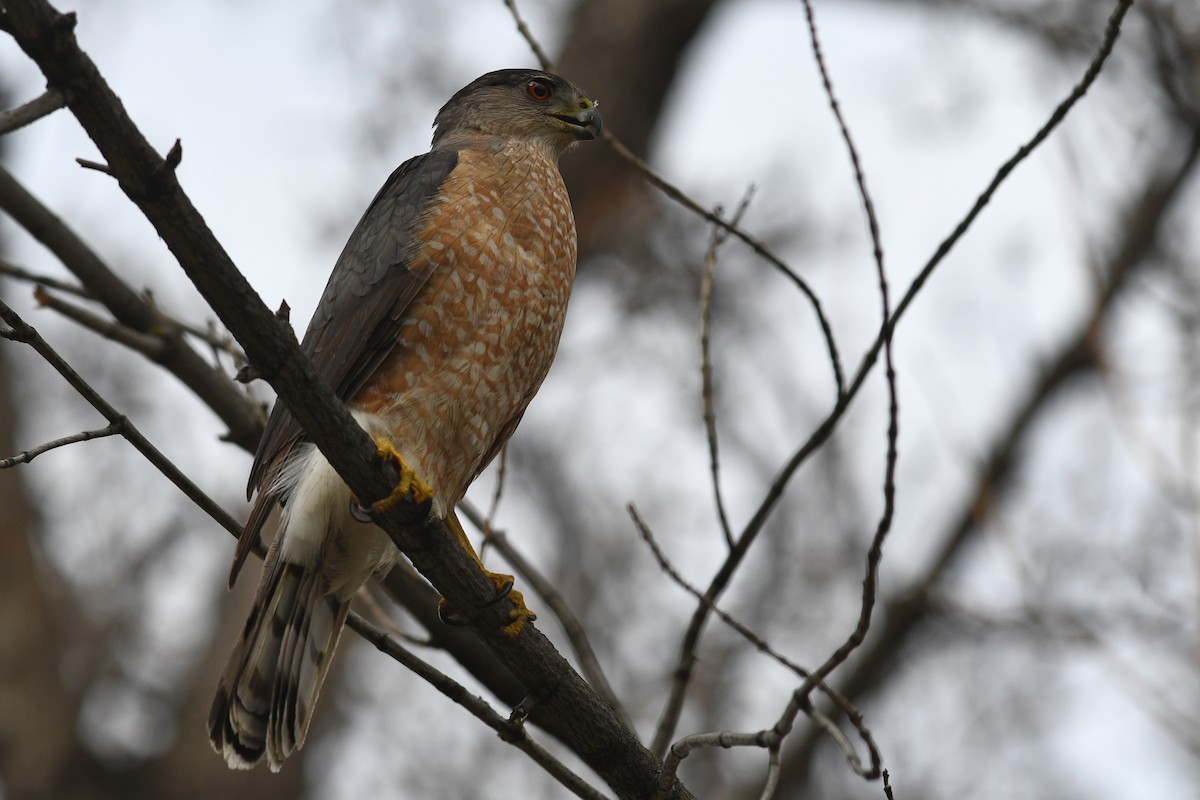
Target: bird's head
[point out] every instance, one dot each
(518, 103)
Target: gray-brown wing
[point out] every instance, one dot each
(359, 315)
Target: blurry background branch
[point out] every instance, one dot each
(133, 312)
(1076, 358)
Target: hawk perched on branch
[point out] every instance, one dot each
(437, 326)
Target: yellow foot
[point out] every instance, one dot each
(520, 613)
(409, 489)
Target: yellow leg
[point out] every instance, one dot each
(409, 489)
(520, 614)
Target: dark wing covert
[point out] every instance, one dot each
(365, 299)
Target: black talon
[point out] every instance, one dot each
(503, 592)
(360, 512)
(450, 617)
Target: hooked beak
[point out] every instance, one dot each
(586, 121)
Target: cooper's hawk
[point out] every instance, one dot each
(437, 326)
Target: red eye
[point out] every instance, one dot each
(538, 90)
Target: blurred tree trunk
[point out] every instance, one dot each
(44, 631)
(49, 648)
(37, 709)
(627, 53)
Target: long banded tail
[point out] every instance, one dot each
(266, 696)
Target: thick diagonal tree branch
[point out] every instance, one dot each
(559, 700)
(20, 331)
(404, 586)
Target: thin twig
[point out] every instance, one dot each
(20, 273)
(21, 331)
(875, 553)
(219, 342)
(25, 456)
(523, 29)
(1111, 32)
(796, 704)
(371, 595)
(706, 371)
(773, 768)
(151, 347)
(770, 739)
(514, 734)
(489, 523)
(741, 628)
(691, 637)
(725, 739)
(95, 165)
(133, 310)
(42, 106)
(577, 636)
(680, 197)
(844, 744)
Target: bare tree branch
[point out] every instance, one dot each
(1111, 32)
(681, 197)
(681, 749)
(799, 700)
(527, 35)
(133, 311)
(219, 342)
(151, 347)
(41, 106)
(559, 700)
(509, 730)
(571, 624)
(706, 371)
(22, 274)
(875, 553)
(772, 784)
(721, 580)
(21, 331)
(1074, 359)
(25, 456)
